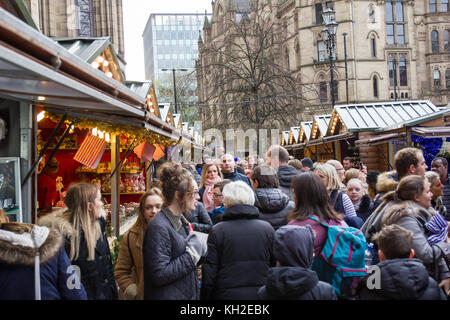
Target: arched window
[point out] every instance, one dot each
(434, 41)
(375, 87)
(286, 58)
(447, 40)
(297, 54)
(436, 79)
(373, 50)
(323, 90)
(371, 13)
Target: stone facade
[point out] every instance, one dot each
(406, 41)
(81, 18)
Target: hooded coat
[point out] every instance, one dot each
(386, 181)
(293, 248)
(17, 270)
(97, 276)
(285, 176)
(273, 205)
(401, 279)
(365, 208)
(416, 224)
(240, 252)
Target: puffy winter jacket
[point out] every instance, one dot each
(240, 252)
(169, 271)
(236, 176)
(295, 283)
(365, 208)
(17, 271)
(400, 279)
(273, 205)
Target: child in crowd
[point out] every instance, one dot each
(398, 276)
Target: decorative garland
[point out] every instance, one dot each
(141, 134)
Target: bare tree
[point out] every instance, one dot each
(246, 79)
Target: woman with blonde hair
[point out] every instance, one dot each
(84, 227)
(340, 200)
(129, 270)
(211, 175)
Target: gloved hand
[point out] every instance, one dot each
(196, 247)
(131, 292)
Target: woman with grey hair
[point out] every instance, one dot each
(437, 189)
(240, 249)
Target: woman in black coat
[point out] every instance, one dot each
(239, 249)
(86, 242)
(170, 252)
(272, 202)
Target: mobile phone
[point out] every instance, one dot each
(361, 165)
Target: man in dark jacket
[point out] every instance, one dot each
(398, 276)
(240, 249)
(277, 157)
(293, 248)
(440, 166)
(229, 172)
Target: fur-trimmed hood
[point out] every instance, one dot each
(387, 181)
(13, 253)
(60, 222)
(405, 208)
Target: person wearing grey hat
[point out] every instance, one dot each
(308, 164)
(293, 278)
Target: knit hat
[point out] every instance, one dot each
(307, 162)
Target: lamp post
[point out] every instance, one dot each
(329, 36)
(174, 85)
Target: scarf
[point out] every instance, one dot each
(208, 199)
(438, 226)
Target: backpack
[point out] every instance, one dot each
(341, 260)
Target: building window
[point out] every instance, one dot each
(321, 51)
(446, 40)
(434, 41)
(397, 66)
(323, 92)
(447, 78)
(372, 47)
(319, 18)
(444, 5)
(371, 13)
(335, 90)
(395, 23)
(286, 59)
(375, 87)
(403, 71)
(436, 79)
(432, 5)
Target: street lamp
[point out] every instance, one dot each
(174, 85)
(329, 37)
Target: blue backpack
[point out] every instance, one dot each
(341, 260)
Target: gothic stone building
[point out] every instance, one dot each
(395, 49)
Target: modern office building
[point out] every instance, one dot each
(171, 42)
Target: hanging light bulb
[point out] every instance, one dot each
(100, 59)
(107, 137)
(109, 74)
(40, 116)
(105, 63)
(95, 64)
(71, 129)
(101, 134)
(94, 131)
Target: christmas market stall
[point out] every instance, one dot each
(381, 129)
(69, 115)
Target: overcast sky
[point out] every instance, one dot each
(135, 16)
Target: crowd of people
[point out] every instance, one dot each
(245, 230)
